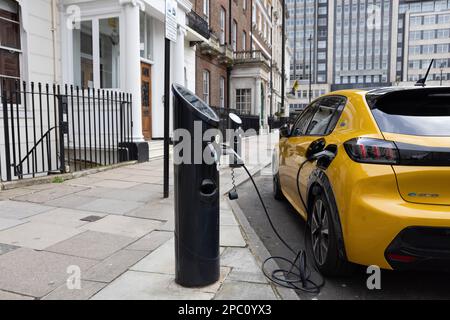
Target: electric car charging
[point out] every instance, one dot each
(364, 169)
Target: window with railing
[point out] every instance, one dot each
(10, 44)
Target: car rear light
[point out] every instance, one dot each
(368, 150)
(393, 257)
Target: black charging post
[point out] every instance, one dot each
(197, 195)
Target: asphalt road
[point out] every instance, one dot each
(395, 285)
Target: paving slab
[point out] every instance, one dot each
(87, 290)
(8, 296)
(109, 175)
(124, 226)
(126, 194)
(240, 259)
(134, 285)
(114, 266)
(132, 170)
(231, 236)
(83, 181)
(115, 184)
(10, 194)
(62, 217)
(71, 202)
(110, 206)
(5, 248)
(154, 211)
(9, 223)
(19, 210)
(227, 218)
(92, 245)
(236, 290)
(36, 273)
(56, 192)
(137, 178)
(168, 226)
(152, 241)
(36, 235)
(162, 260)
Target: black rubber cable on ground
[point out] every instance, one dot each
(298, 277)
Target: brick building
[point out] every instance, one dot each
(235, 66)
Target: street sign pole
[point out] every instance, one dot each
(171, 36)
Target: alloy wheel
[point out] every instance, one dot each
(320, 232)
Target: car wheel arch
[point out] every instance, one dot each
(319, 183)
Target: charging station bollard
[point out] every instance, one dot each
(197, 196)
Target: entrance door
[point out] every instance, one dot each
(146, 75)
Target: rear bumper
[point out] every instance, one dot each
(420, 248)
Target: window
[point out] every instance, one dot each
(206, 9)
(327, 114)
(10, 48)
(206, 86)
(244, 101)
(109, 52)
(414, 113)
(223, 18)
(303, 121)
(234, 36)
(96, 53)
(244, 41)
(222, 92)
(83, 57)
(146, 35)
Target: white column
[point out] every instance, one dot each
(257, 103)
(132, 69)
(178, 66)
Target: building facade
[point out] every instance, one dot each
(365, 43)
(101, 44)
(236, 68)
(423, 34)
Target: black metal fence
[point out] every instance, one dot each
(50, 129)
(249, 122)
(277, 123)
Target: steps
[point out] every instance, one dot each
(156, 149)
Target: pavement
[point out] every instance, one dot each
(110, 235)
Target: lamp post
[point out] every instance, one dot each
(310, 40)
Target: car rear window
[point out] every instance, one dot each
(419, 112)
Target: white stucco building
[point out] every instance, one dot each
(106, 44)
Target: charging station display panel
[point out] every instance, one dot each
(199, 105)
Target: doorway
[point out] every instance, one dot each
(146, 79)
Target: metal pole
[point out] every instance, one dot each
(6, 131)
(166, 117)
(295, 40)
(283, 58)
(310, 67)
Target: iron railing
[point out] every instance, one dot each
(277, 123)
(50, 129)
(249, 122)
(248, 57)
(198, 24)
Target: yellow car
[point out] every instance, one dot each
(370, 172)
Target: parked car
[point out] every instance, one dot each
(370, 172)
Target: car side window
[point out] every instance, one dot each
(303, 122)
(327, 112)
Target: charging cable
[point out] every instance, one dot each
(297, 276)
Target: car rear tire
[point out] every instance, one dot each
(277, 193)
(323, 240)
